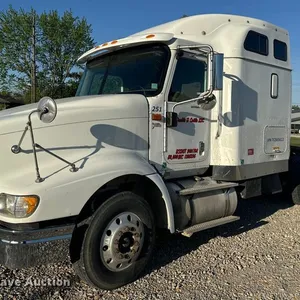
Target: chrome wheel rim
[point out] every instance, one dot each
(122, 241)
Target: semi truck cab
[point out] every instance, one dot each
(169, 128)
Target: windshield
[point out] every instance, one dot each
(133, 70)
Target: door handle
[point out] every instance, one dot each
(201, 148)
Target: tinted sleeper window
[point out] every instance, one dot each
(257, 43)
(280, 50)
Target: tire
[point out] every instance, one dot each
(292, 179)
(296, 195)
(118, 242)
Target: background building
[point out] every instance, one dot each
(295, 126)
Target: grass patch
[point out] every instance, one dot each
(295, 141)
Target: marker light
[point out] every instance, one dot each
(156, 117)
(149, 36)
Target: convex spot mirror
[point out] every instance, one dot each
(209, 103)
(218, 67)
(47, 110)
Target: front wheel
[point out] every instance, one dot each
(118, 242)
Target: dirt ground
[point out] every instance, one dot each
(254, 258)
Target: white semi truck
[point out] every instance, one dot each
(169, 128)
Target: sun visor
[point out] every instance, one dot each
(129, 41)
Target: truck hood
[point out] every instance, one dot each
(76, 110)
(85, 129)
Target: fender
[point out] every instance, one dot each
(158, 181)
(64, 194)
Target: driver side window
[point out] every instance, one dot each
(189, 79)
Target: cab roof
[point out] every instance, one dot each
(214, 29)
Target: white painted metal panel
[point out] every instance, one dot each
(275, 139)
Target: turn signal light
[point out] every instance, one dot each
(156, 117)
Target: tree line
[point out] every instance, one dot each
(38, 53)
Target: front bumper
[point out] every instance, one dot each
(29, 248)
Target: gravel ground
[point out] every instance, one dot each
(255, 258)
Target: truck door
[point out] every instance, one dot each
(187, 144)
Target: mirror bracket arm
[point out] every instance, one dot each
(17, 148)
(38, 175)
(72, 165)
(206, 49)
(204, 96)
(183, 102)
(201, 99)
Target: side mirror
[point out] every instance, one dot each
(47, 110)
(218, 71)
(209, 103)
(172, 119)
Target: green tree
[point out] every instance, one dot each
(15, 48)
(295, 106)
(63, 40)
(47, 45)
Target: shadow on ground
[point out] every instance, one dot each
(171, 247)
(252, 213)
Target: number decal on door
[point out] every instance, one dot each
(156, 109)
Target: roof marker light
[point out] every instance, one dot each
(149, 36)
(114, 42)
(105, 44)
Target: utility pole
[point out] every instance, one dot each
(33, 67)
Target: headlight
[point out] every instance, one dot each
(18, 206)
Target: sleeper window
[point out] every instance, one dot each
(257, 43)
(280, 50)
